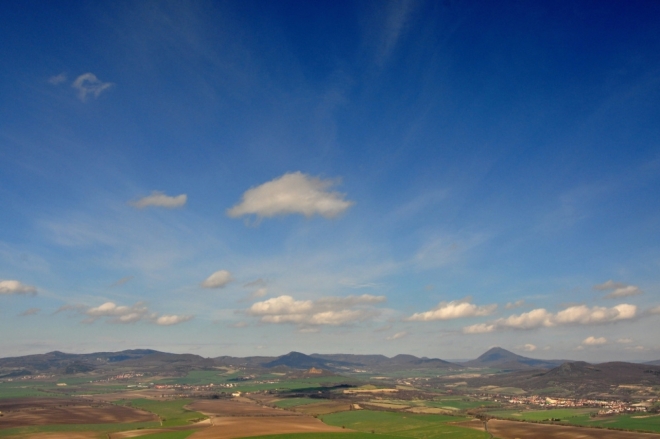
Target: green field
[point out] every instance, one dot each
(640, 421)
(459, 403)
(171, 412)
(403, 425)
(294, 402)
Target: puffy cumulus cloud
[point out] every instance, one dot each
(397, 336)
(332, 311)
(593, 341)
(219, 279)
(574, 315)
(618, 289)
(453, 310)
(529, 347)
(8, 287)
(114, 313)
(89, 84)
(169, 320)
(293, 193)
(160, 199)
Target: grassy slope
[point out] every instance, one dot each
(171, 412)
(295, 402)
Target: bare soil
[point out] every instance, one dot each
(235, 427)
(25, 412)
(520, 430)
(233, 407)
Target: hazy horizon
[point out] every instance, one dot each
(404, 177)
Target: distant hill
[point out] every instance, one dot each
(653, 363)
(297, 360)
(579, 378)
(143, 359)
(499, 358)
(382, 363)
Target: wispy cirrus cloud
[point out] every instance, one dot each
(293, 193)
(574, 315)
(160, 199)
(89, 84)
(331, 311)
(30, 312)
(57, 79)
(219, 279)
(618, 289)
(455, 309)
(398, 335)
(8, 287)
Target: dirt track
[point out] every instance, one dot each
(523, 430)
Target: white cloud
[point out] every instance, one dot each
(293, 193)
(159, 199)
(618, 289)
(169, 320)
(114, 313)
(15, 287)
(398, 335)
(630, 290)
(57, 79)
(574, 315)
(593, 341)
(332, 311)
(609, 285)
(453, 310)
(259, 293)
(529, 347)
(87, 84)
(219, 279)
(516, 304)
(625, 340)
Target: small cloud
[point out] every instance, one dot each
(453, 310)
(308, 330)
(638, 348)
(630, 290)
(529, 347)
(398, 335)
(8, 287)
(159, 199)
(30, 312)
(169, 320)
(121, 281)
(58, 79)
(480, 328)
(239, 325)
(625, 340)
(87, 84)
(653, 311)
(219, 279)
(255, 283)
(259, 293)
(593, 341)
(332, 311)
(293, 193)
(609, 285)
(516, 304)
(618, 289)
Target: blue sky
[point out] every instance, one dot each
(251, 178)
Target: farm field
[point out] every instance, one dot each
(403, 424)
(171, 413)
(511, 430)
(294, 402)
(641, 421)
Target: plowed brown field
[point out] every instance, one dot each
(232, 407)
(25, 412)
(523, 430)
(235, 427)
